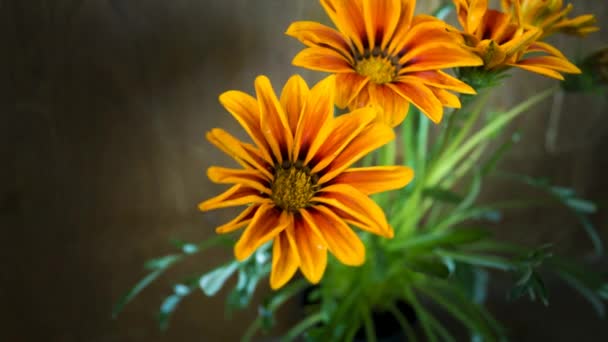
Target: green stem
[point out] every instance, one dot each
(370, 332)
(453, 156)
(422, 313)
(252, 329)
(405, 326)
(301, 327)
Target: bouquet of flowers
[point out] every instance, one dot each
(367, 184)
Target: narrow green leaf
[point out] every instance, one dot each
(135, 290)
(428, 266)
(443, 195)
(431, 240)
(489, 261)
(460, 151)
(162, 262)
(423, 314)
(498, 155)
(581, 206)
(405, 325)
(443, 11)
(213, 281)
(305, 324)
(166, 309)
(474, 189)
(591, 296)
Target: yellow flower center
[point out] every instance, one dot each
(293, 186)
(379, 69)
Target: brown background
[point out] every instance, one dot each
(104, 109)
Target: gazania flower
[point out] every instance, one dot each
(382, 54)
(550, 16)
(296, 178)
(502, 42)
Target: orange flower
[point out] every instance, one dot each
(297, 181)
(550, 16)
(502, 42)
(382, 54)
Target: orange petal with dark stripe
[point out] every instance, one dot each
(341, 241)
(375, 179)
(312, 250)
(267, 223)
(285, 259)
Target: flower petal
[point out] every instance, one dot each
(312, 250)
(446, 98)
(273, 121)
(374, 179)
(423, 33)
(242, 220)
(373, 136)
(540, 70)
(314, 34)
(244, 108)
(420, 95)
(551, 62)
(316, 117)
(322, 59)
(380, 17)
(341, 132)
(403, 26)
(352, 205)
(294, 95)
(544, 47)
(340, 239)
(266, 223)
(248, 177)
(440, 79)
(348, 18)
(437, 56)
(235, 196)
(394, 106)
(285, 259)
(348, 86)
(244, 154)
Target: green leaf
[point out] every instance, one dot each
(498, 155)
(532, 284)
(250, 273)
(592, 285)
(428, 266)
(581, 206)
(455, 302)
(442, 195)
(162, 262)
(135, 290)
(473, 280)
(468, 201)
(213, 281)
(170, 304)
(457, 151)
(166, 309)
(489, 261)
(567, 197)
(443, 11)
(431, 240)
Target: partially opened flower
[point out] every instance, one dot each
(382, 54)
(550, 16)
(296, 179)
(502, 41)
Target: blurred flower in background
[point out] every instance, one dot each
(503, 41)
(550, 16)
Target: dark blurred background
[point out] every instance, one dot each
(105, 105)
